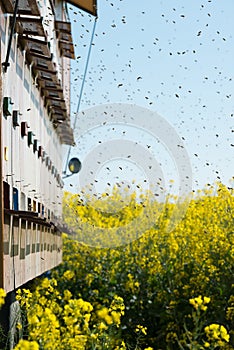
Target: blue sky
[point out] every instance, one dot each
(171, 57)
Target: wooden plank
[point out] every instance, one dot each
(89, 6)
(53, 93)
(26, 7)
(30, 26)
(67, 49)
(62, 26)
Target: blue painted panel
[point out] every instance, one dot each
(15, 199)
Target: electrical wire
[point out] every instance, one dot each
(81, 91)
(6, 63)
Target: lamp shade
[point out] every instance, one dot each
(74, 165)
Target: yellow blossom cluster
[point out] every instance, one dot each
(27, 345)
(62, 323)
(165, 289)
(217, 334)
(2, 296)
(141, 329)
(200, 303)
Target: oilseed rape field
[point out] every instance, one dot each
(170, 287)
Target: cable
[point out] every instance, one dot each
(6, 63)
(81, 90)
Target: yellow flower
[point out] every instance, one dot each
(27, 345)
(171, 265)
(206, 300)
(141, 329)
(102, 326)
(93, 335)
(224, 334)
(199, 303)
(102, 313)
(2, 296)
(19, 326)
(67, 295)
(45, 284)
(68, 275)
(116, 317)
(216, 332)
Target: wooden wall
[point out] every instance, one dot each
(30, 248)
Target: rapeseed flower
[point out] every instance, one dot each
(200, 303)
(2, 296)
(26, 345)
(97, 296)
(216, 332)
